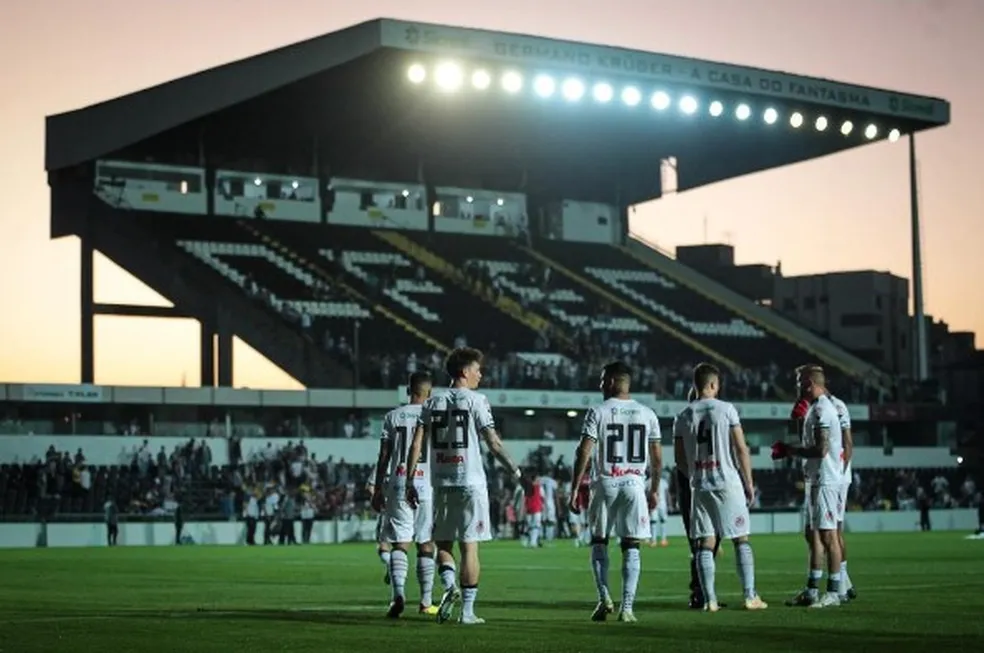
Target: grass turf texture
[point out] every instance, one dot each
(918, 592)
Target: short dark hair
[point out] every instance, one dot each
(459, 359)
(703, 374)
(617, 371)
(418, 380)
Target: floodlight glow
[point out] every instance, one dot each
(870, 132)
(417, 73)
(894, 135)
(660, 100)
(512, 82)
(796, 120)
(821, 123)
(449, 76)
(544, 86)
(688, 104)
(603, 92)
(716, 108)
(469, 199)
(481, 80)
(743, 112)
(631, 96)
(770, 116)
(847, 127)
(500, 202)
(405, 193)
(295, 184)
(258, 182)
(573, 89)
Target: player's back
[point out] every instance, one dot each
(398, 428)
(454, 421)
(823, 416)
(622, 429)
(705, 427)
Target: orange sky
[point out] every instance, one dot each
(848, 211)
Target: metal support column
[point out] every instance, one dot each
(920, 346)
(87, 371)
(207, 355)
(224, 338)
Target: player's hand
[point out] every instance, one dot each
(749, 495)
(572, 504)
(378, 501)
(780, 450)
(412, 497)
(653, 500)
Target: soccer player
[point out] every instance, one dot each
(657, 518)
(533, 505)
(708, 436)
(623, 436)
(847, 591)
(548, 486)
(399, 523)
(383, 548)
(823, 468)
(454, 422)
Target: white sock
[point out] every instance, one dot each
(661, 530)
(705, 571)
(631, 566)
(384, 557)
(447, 572)
(746, 568)
(399, 567)
(425, 576)
(653, 531)
(534, 536)
(846, 583)
(599, 566)
(468, 596)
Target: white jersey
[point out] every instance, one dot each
(828, 470)
(622, 430)
(844, 417)
(398, 427)
(705, 428)
(454, 422)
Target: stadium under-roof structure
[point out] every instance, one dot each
(451, 107)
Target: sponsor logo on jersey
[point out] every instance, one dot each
(450, 459)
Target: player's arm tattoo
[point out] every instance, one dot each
(413, 456)
(584, 451)
(848, 447)
(819, 448)
(655, 463)
(494, 443)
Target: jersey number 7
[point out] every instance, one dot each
(631, 439)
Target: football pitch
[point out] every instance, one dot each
(917, 592)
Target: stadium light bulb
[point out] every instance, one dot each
(572, 413)
(631, 96)
(796, 120)
(847, 127)
(257, 182)
(716, 108)
(573, 89)
(660, 100)
(871, 132)
(469, 199)
(544, 85)
(688, 104)
(512, 82)
(603, 92)
(743, 112)
(481, 80)
(820, 123)
(295, 184)
(405, 193)
(894, 135)
(448, 76)
(500, 202)
(529, 412)
(770, 116)
(417, 73)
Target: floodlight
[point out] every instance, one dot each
(796, 120)
(512, 82)
(448, 76)
(481, 80)
(405, 193)
(258, 182)
(743, 112)
(716, 108)
(660, 100)
(295, 184)
(603, 92)
(631, 96)
(500, 202)
(544, 85)
(573, 89)
(417, 73)
(894, 135)
(770, 116)
(820, 123)
(469, 199)
(847, 127)
(870, 132)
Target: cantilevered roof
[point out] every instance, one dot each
(85, 134)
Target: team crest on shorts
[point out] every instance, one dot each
(643, 521)
(739, 521)
(830, 516)
(480, 526)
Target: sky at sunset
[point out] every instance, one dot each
(848, 211)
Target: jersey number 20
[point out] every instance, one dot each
(449, 430)
(631, 439)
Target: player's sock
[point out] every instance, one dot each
(653, 532)
(447, 572)
(468, 595)
(833, 582)
(399, 567)
(384, 557)
(746, 568)
(425, 576)
(846, 583)
(661, 530)
(599, 565)
(705, 571)
(813, 582)
(631, 566)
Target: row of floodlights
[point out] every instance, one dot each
(450, 77)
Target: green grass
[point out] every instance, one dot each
(918, 592)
